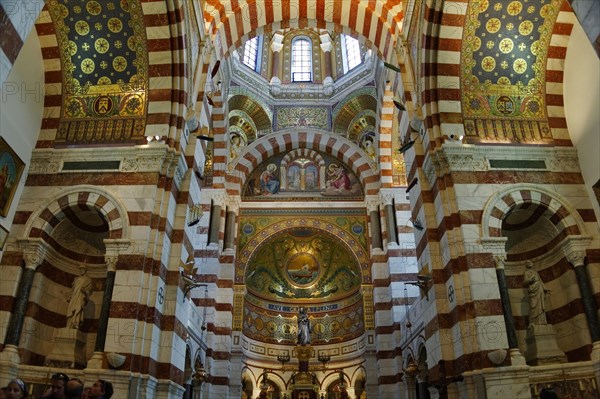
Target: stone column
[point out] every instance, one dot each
(33, 250)
(575, 252)
(276, 47)
(496, 246)
(215, 224)
(326, 47)
(373, 209)
(233, 207)
(390, 212)
(111, 257)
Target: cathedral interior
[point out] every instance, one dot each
(301, 199)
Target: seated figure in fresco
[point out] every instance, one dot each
(338, 178)
(269, 183)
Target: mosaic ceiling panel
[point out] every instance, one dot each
(347, 229)
(504, 57)
(105, 67)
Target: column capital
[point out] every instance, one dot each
(496, 246)
(372, 202)
(386, 199)
(277, 42)
(34, 251)
(233, 203)
(574, 249)
(114, 247)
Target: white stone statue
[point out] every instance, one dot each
(303, 327)
(79, 296)
(537, 296)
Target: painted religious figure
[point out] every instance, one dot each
(537, 296)
(303, 327)
(79, 296)
(269, 184)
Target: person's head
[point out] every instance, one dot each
(548, 393)
(101, 388)
(73, 389)
(58, 382)
(16, 389)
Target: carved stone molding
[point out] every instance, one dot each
(465, 157)
(34, 251)
(114, 247)
(574, 249)
(144, 158)
(372, 203)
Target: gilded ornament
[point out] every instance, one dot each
(493, 25)
(525, 27)
(72, 47)
(88, 65)
(82, 28)
(514, 8)
(506, 45)
(93, 7)
(101, 45)
(119, 63)
(115, 25)
(520, 65)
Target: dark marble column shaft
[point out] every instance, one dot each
(215, 219)
(105, 311)
(15, 325)
(589, 306)
(391, 223)
(376, 230)
(230, 229)
(509, 320)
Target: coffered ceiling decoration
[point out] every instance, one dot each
(105, 69)
(505, 48)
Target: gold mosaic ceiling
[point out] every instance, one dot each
(252, 109)
(352, 108)
(105, 69)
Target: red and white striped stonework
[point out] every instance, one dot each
(339, 147)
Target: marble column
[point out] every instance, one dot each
(575, 253)
(276, 47)
(33, 250)
(496, 247)
(373, 208)
(326, 47)
(509, 321)
(111, 257)
(390, 213)
(230, 217)
(215, 224)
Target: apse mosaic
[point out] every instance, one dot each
(503, 60)
(105, 69)
(301, 175)
(327, 328)
(317, 253)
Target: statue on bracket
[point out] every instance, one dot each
(303, 327)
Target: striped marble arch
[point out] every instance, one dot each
(378, 21)
(284, 141)
(86, 198)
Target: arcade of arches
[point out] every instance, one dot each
(301, 199)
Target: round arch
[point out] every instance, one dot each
(555, 208)
(283, 141)
(227, 32)
(47, 216)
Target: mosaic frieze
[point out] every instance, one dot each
(302, 117)
(328, 328)
(300, 176)
(505, 48)
(105, 69)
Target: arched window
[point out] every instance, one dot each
(301, 59)
(250, 56)
(351, 53)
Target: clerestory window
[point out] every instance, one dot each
(351, 53)
(301, 59)
(250, 56)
